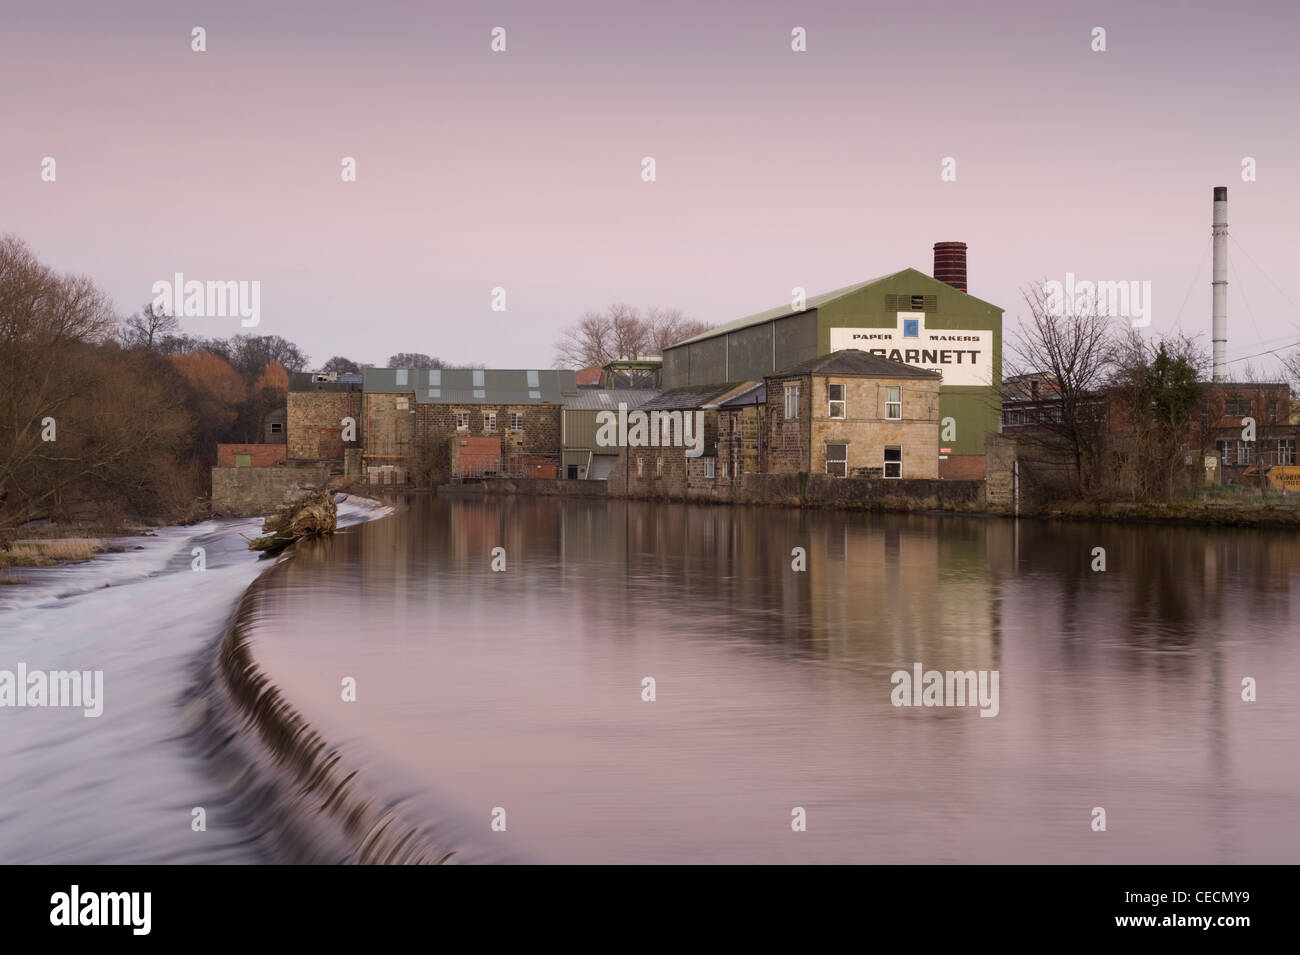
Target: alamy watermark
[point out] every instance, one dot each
(653, 429)
(71, 688)
(195, 299)
(947, 688)
(1122, 299)
(75, 907)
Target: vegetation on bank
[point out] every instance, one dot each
(47, 553)
(103, 418)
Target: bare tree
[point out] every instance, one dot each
(1072, 345)
(668, 326)
(622, 331)
(587, 343)
(415, 359)
(148, 328)
(341, 365)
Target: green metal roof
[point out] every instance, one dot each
(783, 311)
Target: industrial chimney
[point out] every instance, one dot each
(1219, 230)
(950, 263)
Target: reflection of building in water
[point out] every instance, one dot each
(880, 590)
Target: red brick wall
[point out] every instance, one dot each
(263, 455)
(962, 467)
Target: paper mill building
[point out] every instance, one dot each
(927, 322)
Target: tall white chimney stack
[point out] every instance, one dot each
(1220, 232)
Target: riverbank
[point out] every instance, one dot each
(958, 498)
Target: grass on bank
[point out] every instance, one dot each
(47, 553)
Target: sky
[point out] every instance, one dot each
(522, 169)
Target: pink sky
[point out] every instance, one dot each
(522, 169)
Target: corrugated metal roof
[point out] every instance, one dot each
(607, 399)
(696, 396)
(754, 395)
(852, 361)
(468, 386)
(782, 311)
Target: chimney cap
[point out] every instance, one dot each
(1220, 193)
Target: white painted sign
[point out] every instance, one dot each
(964, 356)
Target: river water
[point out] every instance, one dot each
(518, 695)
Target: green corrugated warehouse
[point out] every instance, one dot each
(907, 316)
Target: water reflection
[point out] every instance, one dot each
(522, 689)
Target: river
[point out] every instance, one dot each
(506, 711)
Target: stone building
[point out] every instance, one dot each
(852, 414)
(931, 323)
(275, 426)
(741, 420)
(316, 409)
(410, 415)
(657, 461)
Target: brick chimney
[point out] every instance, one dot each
(950, 263)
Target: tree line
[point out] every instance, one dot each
(103, 418)
(1125, 407)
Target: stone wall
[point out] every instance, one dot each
(1046, 472)
(738, 443)
(390, 427)
(315, 423)
(536, 442)
(822, 490)
(539, 486)
(252, 492)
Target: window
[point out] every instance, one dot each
(1245, 452)
(277, 427)
(1237, 407)
(723, 471)
(478, 377)
(640, 467)
(1286, 451)
(462, 420)
(1225, 452)
(1272, 412)
(837, 459)
(893, 462)
(480, 393)
(243, 460)
(835, 394)
(402, 404)
(572, 472)
(791, 402)
(709, 465)
(489, 421)
(659, 465)
(400, 377)
(894, 402)
(516, 421)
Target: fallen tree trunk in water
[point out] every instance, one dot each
(313, 515)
